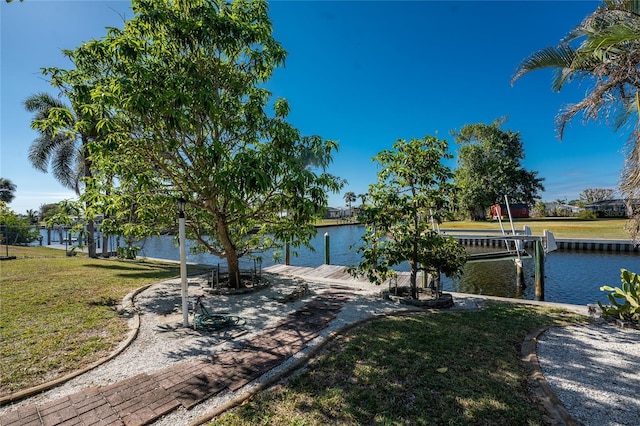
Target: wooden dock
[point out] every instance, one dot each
(333, 274)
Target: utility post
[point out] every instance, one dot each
(183, 262)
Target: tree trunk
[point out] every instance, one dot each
(414, 276)
(105, 245)
(233, 263)
(91, 240)
(478, 215)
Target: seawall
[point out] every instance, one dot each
(585, 244)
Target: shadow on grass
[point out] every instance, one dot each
(139, 270)
(448, 368)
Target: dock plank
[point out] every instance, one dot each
(334, 273)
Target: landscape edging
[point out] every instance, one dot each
(127, 305)
(540, 388)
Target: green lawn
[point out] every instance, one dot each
(58, 313)
(428, 369)
(561, 227)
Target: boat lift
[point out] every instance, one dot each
(542, 245)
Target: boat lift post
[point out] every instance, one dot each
(539, 271)
(518, 245)
(542, 245)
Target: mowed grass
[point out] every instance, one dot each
(427, 369)
(57, 313)
(561, 227)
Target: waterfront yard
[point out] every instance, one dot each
(58, 315)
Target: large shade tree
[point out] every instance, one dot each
(490, 168)
(412, 191)
(604, 50)
(593, 195)
(188, 79)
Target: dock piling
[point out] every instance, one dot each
(326, 249)
(520, 283)
(539, 260)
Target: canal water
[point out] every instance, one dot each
(570, 276)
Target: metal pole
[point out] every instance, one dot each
(326, 248)
(183, 271)
(539, 259)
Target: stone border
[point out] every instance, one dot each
(445, 301)
(539, 387)
(264, 283)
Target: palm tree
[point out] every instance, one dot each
(608, 53)
(61, 146)
(32, 216)
(349, 198)
(7, 189)
(363, 199)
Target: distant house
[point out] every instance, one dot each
(518, 211)
(334, 213)
(612, 208)
(561, 209)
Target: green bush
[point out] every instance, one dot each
(587, 214)
(16, 231)
(129, 252)
(625, 301)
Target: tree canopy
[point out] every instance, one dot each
(179, 93)
(413, 189)
(490, 167)
(592, 195)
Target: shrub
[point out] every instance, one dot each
(625, 301)
(587, 214)
(14, 230)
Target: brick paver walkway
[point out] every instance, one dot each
(142, 399)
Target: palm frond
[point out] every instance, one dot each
(42, 102)
(560, 57)
(63, 169)
(628, 6)
(613, 41)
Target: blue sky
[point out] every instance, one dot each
(364, 73)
